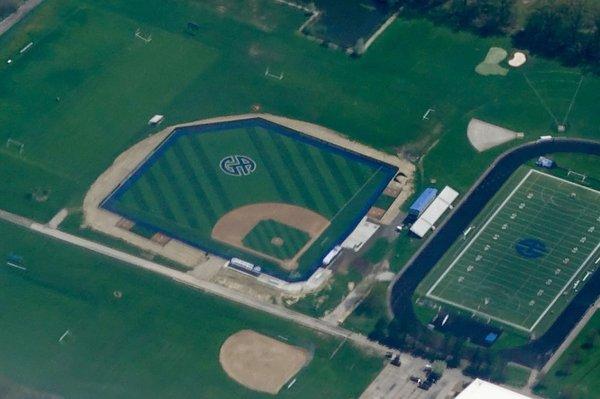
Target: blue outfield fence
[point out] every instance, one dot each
(111, 202)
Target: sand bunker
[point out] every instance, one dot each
(517, 60)
(490, 65)
(261, 363)
(483, 135)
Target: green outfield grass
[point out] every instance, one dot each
(159, 340)
(109, 83)
(260, 238)
(183, 190)
(528, 254)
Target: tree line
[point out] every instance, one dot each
(567, 30)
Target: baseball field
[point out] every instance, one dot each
(84, 91)
(79, 325)
(252, 189)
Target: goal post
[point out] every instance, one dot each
(12, 143)
(139, 34)
(576, 175)
(272, 75)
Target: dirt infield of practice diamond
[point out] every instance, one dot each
(259, 362)
(232, 227)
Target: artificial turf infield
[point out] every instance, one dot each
(184, 187)
(265, 235)
(157, 339)
(529, 252)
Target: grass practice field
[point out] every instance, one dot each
(109, 83)
(527, 257)
(132, 334)
(205, 182)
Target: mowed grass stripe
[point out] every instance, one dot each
(332, 197)
(139, 199)
(345, 183)
(203, 198)
(273, 169)
(184, 180)
(155, 191)
(208, 201)
(193, 152)
(153, 203)
(169, 194)
(285, 157)
(360, 173)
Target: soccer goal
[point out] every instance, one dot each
(11, 143)
(140, 35)
(576, 176)
(272, 75)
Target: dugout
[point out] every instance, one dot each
(423, 201)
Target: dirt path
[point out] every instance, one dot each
(18, 15)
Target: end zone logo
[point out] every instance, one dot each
(531, 248)
(237, 165)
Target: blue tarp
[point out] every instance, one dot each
(423, 201)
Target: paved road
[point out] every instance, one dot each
(15, 17)
(206, 286)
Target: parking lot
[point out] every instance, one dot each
(394, 382)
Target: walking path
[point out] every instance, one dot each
(206, 286)
(18, 15)
(572, 335)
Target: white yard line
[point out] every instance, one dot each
(574, 275)
(478, 234)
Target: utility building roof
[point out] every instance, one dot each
(480, 389)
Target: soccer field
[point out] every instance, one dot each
(529, 258)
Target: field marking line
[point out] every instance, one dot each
(573, 101)
(16, 266)
(567, 181)
(541, 100)
(483, 314)
(565, 286)
(492, 217)
(64, 335)
(355, 194)
(478, 234)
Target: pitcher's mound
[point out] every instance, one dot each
(259, 362)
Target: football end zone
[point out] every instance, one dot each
(192, 182)
(529, 258)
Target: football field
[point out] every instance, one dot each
(529, 257)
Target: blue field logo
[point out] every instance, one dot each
(237, 165)
(531, 248)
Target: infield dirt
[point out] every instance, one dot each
(259, 362)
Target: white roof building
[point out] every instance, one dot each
(480, 389)
(361, 234)
(434, 211)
